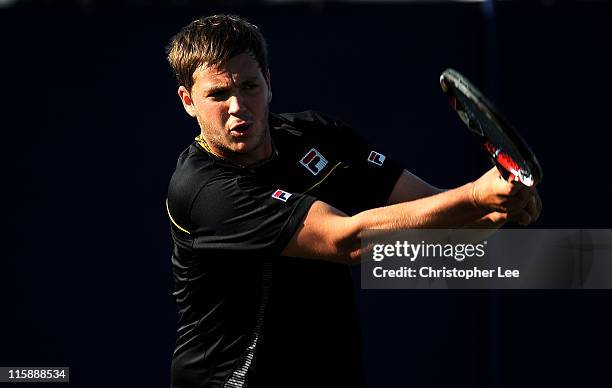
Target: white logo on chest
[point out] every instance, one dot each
(314, 161)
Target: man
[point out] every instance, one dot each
(267, 210)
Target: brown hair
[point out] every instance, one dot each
(212, 41)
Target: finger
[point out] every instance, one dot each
(505, 188)
(516, 187)
(524, 195)
(495, 171)
(531, 208)
(521, 217)
(519, 201)
(498, 217)
(525, 219)
(512, 178)
(534, 204)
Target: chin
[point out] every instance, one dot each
(242, 149)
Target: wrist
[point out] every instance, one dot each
(476, 203)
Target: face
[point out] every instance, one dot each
(231, 106)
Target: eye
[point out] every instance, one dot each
(250, 86)
(218, 95)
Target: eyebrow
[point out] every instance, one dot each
(222, 88)
(216, 89)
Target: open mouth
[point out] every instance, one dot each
(241, 129)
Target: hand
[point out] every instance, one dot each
(509, 200)
(531, 212)
(494, 194)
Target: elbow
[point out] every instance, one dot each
(347, 244)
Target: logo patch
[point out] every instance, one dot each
(281, 195)
(314, 161)
(376, 158)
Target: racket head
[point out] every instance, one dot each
(503, 144)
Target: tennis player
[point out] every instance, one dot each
(267, 211)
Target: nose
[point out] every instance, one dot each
(236, 104)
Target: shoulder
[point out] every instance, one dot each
(306, 120)
(314, 127)
(195, 170)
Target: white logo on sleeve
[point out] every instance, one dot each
(376, 158)
(314, 161)
(281, 195)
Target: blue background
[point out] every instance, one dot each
(92, 127)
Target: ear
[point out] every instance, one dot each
(185, 97)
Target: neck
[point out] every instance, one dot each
(262, 153)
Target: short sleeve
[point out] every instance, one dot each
(241, 215)
(373, 170)
(370, 174)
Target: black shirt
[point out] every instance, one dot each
(247, 316)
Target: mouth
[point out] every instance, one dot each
(241, 129)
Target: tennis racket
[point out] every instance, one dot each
(502, 142)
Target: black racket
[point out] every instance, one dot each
(506, 148)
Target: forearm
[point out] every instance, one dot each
(448, 209)
(328, 234)
(409, 188)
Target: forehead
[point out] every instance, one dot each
(237, 68)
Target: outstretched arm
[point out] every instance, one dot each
(410, 187)
(328, 234)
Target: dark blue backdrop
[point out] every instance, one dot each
(92, 127)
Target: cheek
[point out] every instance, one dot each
(260, 102)
(215, 114)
